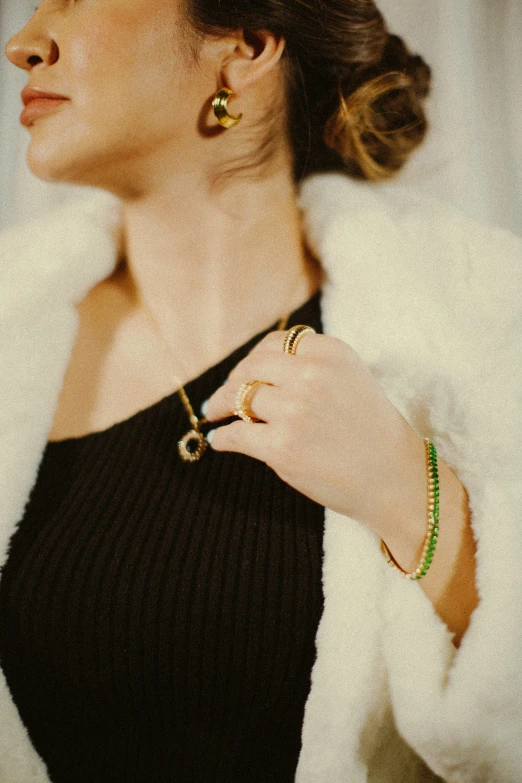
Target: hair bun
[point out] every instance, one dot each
(379, 118)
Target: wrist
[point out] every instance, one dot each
(407, 540)
(406, 525)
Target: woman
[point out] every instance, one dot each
(166, 611)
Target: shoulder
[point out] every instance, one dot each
(58, 257)
(394, 243)
(399, 218)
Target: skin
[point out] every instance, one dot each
(210, 260)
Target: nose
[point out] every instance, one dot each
(31, 47)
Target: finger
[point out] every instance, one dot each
(243, 438)
(266, 366)
(273, 369)
(274, 342)
(268, 362)
(288, 372)
(263, 402)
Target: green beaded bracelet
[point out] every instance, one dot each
(432, 533)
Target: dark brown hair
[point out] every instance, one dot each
(354, 90)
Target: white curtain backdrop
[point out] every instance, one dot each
(473, 156)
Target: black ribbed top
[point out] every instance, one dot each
(158, 618)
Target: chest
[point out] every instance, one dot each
(139, 596)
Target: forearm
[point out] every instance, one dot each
(450, 582)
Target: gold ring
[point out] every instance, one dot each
(294, 336)
(244, 398)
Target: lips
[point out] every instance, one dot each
(32, 94)
(38, 102)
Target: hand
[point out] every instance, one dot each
(332, 434)
(329, 431)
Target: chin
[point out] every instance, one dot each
(59, 160)
(49, 159)
(81, 155)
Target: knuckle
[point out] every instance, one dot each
(282, 444)
(268, 343)
(217, 438)
(240, 370)
(340, 348)
(273, 339)
(224, 438)
(292, 412)
(311, 383)
(312, 379)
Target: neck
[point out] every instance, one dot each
(215, 268)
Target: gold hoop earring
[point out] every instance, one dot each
(220, 106)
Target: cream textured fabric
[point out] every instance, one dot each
(432, 303)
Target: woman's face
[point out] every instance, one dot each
(135, 94)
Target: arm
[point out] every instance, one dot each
(450, 583)
(462, 710)
(331, 433)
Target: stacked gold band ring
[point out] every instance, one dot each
(246, 391)
(294, 336)
(244, 398)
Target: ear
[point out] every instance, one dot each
(255, 54)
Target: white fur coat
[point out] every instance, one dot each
(432, 303)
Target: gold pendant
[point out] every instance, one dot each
(192, 437)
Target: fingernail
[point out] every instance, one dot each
(210, 436)
(204, 408)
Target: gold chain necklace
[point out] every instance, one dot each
(193, 444)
